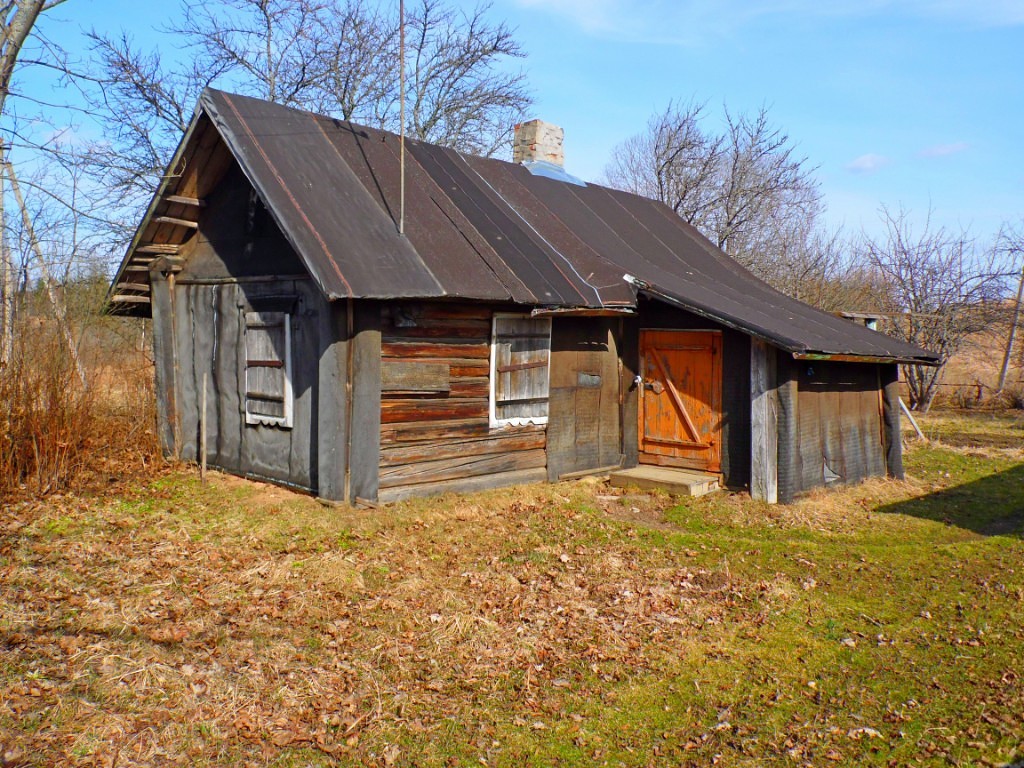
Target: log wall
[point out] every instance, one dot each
(435, 431)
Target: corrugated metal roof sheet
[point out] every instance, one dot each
(489, 230)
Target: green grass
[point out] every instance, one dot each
(233, 623)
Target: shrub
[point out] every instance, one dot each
(58, 433)
(46, 414)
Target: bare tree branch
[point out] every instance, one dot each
(942, 285)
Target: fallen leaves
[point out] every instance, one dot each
(187, 627)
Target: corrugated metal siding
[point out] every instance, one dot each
(840, 424)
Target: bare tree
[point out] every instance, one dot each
(764, 188)
(944, 288)
(337, 57)
(361, 78)
(18, 18)
(144, 108)
(274, 49)
(746, 189)
(1010, 244)
(675, 161)
(459, 96)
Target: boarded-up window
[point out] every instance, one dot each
(521, 346)
(268, 368)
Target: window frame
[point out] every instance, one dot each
(515, 421)
(258, 419)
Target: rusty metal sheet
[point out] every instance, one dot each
(684, 265)
(549, 278)
(530, 195)
(432, 227)
(319, 203)
(488, 230)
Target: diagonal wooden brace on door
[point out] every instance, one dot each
(677, 400)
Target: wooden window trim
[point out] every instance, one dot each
(495, 370)
(288, 397)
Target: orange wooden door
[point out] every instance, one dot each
(681, 403)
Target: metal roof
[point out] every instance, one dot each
(483, 229)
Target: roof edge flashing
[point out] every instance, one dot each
(551, 171)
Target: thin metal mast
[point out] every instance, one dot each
(401, 112)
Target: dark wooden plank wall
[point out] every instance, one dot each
(208, 339)
(434, 422)
(583, 428)
(839, 423)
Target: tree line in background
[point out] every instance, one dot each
(78, 173)
(747, 189)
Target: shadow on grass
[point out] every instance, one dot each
(991, 506)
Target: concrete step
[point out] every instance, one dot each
(681, 482)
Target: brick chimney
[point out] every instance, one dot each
(536, 140)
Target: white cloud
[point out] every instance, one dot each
(869, 163)
(944, 150)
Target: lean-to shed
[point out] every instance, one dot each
(525, 326)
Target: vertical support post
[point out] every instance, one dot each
(164, 357)
(401, 118)
(764, 423)
(364, 437)
(202, 433)
(629, 355)
(889, 378)
(333, 390)
(788, 427)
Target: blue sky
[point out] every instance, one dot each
(912, 102)
(916, 102)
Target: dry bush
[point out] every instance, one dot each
(46, 415)
(57, 433)
(1014, 398)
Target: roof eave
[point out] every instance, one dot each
(166, 180)
(798, 350)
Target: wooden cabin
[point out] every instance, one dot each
(525, 326)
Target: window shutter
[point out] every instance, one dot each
(268, 392)
(522, 347)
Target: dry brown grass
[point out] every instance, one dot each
(222, 634)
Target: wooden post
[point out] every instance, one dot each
(164, 359)
(1013, 332)
(913, 422)
(764, 423)
(365, 374)
(202, 433)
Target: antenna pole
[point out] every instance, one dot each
(401, 111)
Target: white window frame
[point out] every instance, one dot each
(517, 421)
(259, 418)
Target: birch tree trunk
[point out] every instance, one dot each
(18, 17)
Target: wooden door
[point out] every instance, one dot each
(681, 402)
